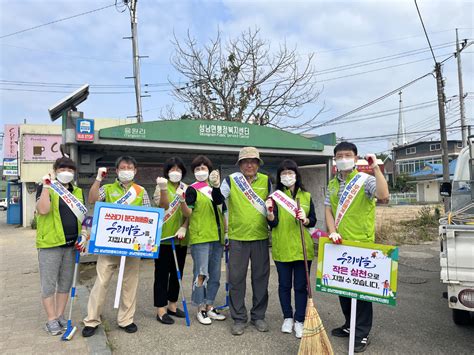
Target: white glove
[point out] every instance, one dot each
(47, 181)
(335, 238)
(372, 160)
(101, 174)
(181, 233)
(269, 206)
(181, 193)
(162, 183)
(83, 243)
(301, 215)
(214, 178)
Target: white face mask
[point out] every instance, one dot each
(175, 176)
(345, 164)
(288, 180)
(201, 175)
(126, 175)
(65, 177)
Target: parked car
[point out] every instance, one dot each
(3, 204)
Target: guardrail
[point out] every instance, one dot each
(402, 198)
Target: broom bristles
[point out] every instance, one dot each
(314, 340)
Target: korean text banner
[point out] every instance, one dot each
(41, 147)
(124, 230)
(364, 271)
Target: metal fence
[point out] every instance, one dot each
(402, 198)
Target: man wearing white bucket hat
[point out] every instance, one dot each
(246, 192)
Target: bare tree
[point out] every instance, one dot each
(244, 80)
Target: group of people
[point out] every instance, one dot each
(208, 216)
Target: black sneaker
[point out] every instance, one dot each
(165, 319)
(178, 314)
(131, 328)
(361, 345)
(88, 331)
(341, 332)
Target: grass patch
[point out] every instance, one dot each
(423, 228)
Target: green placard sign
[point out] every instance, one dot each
(211, 133)
(364, 271)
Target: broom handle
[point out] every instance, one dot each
(308, 282)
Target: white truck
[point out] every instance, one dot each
(456, 232)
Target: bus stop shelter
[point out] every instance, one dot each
(151, 143)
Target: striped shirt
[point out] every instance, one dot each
(370, 187)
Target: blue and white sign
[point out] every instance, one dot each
(124, 230)
(85, 130)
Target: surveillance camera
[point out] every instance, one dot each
(69, 102)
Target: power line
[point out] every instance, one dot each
(424, 29)
(393, 135)
(371, 102)
(56, 21)
(385, 41)
(384, 58)
(380, 116)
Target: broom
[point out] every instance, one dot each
(178, 274)
(314, 340)
(71, 330)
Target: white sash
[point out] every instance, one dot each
(288, 204)
(76, 206)
(130, 195)
(203, 187)
(174, 205)
(249, 193)
(285, 201)
(347, 197)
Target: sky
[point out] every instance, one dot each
(363, 50)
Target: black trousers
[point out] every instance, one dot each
(364, 315)
(166, 286)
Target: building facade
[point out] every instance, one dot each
(414, 157)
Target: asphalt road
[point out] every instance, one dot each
(420, 323)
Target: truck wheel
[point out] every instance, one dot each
(461, 317)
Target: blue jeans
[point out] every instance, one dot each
(207, 262)
(292, 274)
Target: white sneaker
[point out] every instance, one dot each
(203, 318)
(214, 314)
(287, 326)
(299, 329)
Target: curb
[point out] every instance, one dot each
(97, 343)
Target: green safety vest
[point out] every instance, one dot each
(115, 191)
(286, 238)
(358, 224)
(202, 223)
(245, 222)
(174, 222)
(50, 232)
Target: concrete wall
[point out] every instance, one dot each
(428, 191)
(315, 181)
(32, 172)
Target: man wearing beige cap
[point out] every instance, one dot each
(245, 193)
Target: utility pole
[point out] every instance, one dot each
(442, 127)
(461, 92)
(442, 116)
(132, 5)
